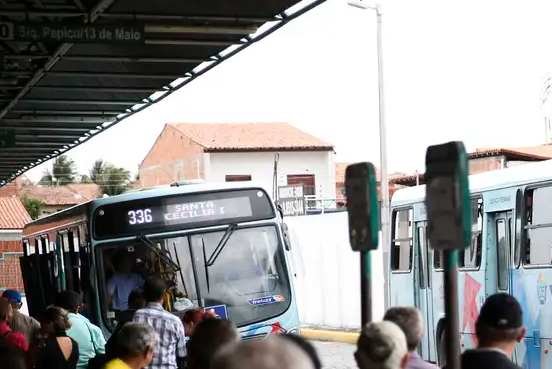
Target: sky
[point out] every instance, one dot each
(472, 71)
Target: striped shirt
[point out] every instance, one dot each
(171, 340)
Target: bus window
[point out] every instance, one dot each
(503, 251)
(470, 258)
(518, 229)
(401, 246)
(538, 226)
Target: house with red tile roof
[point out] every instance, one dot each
(57, 198)
(340, 182)
(225, 152)
(484, 160)
(13, 218)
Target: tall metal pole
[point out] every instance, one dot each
(365, 288)
(451, 309)
(384, 180)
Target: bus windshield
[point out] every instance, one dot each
(247, 274)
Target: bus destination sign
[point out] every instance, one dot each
(184, 211)
(192, 212)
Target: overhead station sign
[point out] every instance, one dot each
(71, 33)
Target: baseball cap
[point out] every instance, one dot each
(383, 344)
(501, 311)
(13, 296)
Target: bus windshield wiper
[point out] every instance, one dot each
(153, 247)
(223, 241)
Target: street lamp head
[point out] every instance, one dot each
(363, 4)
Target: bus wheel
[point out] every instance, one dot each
(442, 352)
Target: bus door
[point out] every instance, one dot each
(31, 278)
(497, 275)
(423, 289)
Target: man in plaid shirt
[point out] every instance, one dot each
(171, 345)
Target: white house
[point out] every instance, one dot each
(221, 152)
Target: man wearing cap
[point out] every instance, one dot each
(20, 322)
(498, 328)
(381, 345)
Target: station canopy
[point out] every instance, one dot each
(70, 69)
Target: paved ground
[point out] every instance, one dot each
(336, 355)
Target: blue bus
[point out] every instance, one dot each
(510, 251)
(218, 246)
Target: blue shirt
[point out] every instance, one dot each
(120, 286)
(89, 338)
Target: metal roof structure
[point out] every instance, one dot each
(70, 69)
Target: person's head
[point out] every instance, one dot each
(14, 297)
(500, 322)
(154, 289)
(209, 336)
(269, 353)
(135, 344)
(136, 299)
(70, 301)
(410, 320)
(6, 310)
(124, 262)
(305, 346)
(54, 320)
(381, 345)
(192, 318)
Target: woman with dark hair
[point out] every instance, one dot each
(57, 350)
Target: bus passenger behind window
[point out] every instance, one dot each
(498, 328)
(410, 320)
(121, 284)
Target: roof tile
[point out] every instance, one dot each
(249, 136)
(61, 195)
(12, 213)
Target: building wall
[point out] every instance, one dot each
(52, 209)
(480, 165)
(260, 165)
(171, 158)
(327, 272)
(10, 252)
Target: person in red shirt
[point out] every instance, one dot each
(7, 336)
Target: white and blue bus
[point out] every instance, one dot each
(510, 252)
(218, 246)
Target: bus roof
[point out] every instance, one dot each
(176, 190)
(492, 180)
(147, 193)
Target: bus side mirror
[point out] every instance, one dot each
(280, 210)
(287, 240)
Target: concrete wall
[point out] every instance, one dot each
(328, 272)
(260, 166)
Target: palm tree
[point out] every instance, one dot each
(63, 172)
(112, 180)
(98, 168)
(32, 206)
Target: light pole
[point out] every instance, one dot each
(384, 181)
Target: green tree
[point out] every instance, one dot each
(33, 206)
(98, 168)
(63, 172)
(111, 179)
(86, 179)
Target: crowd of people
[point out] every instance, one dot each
(149, 337)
